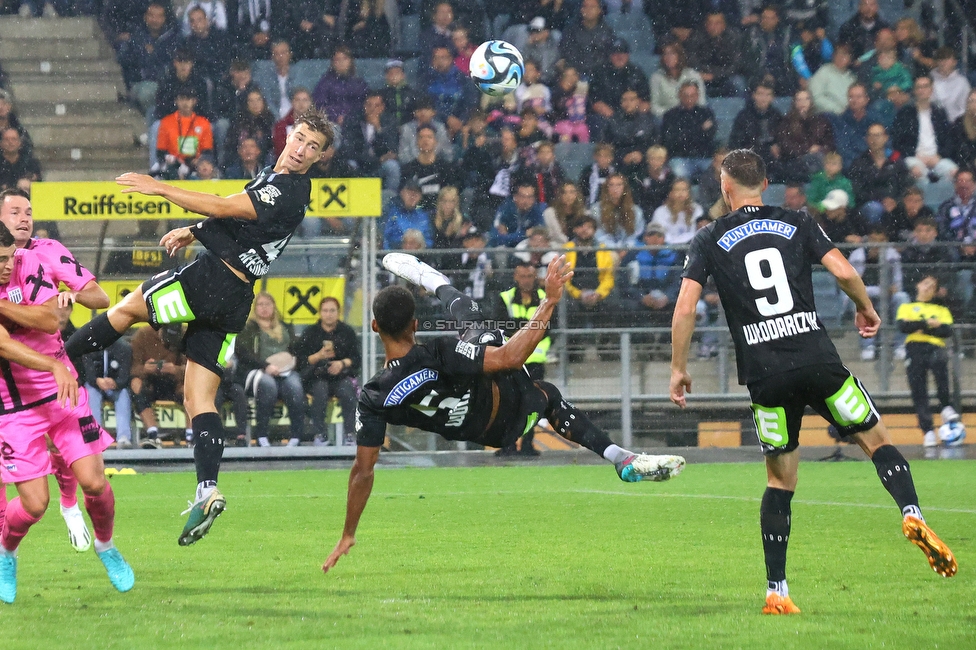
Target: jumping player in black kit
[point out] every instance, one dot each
(242, 234)
(473, 388)
(760, 257)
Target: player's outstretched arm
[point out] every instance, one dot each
(866, 319)
(682, 327)
(19, 353)
(43, 317)
(360, 487)
(209, 205)
(91, 296)
(517, 349)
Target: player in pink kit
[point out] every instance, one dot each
(60, 266)
(29, 409)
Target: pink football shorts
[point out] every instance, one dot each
(23, 450)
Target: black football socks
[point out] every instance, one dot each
(94, 336)
(774, 522)
(896, 477)
(208, 448)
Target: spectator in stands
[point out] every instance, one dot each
(631, 131)
(610, 81)
(950, 87)
(258, 23)
(925, 256)
(830, 178)
(206, 169)
(655, 277)
(404, 213)
(867, 261)
(688, 133)
(14, 165)
(438, 34)
(370, 141)
(678, 213)
(586, 45)
(9, 119)
(517, 215)
(183, 136)
(156, 374)
(300, 101)
(677, 21)
(340, 91)
(840, 224)
(957, 215)
(860, 30)
(532, 93)
(851, 126)
(431, 170)
(914, 50)
(757, 125)
(266, 365)
(803, 138)
(474, 268)
(563, 212)
(620, 221)
(209, 47)
(214, 11)
(248, 162)
(119, 19)
(668, 78)
(900, 222)
(569, 101)
(829, 84)
(463, 48)
(542, 49)
(448, 222)
(398, 97)
(922, 135)
(592, 178)
(181, 75)
(884, 41)
(710, 187)
(146, 56)
(795, 198)
(328, 360)
(369, 33)
(423, 116)
(887, 108)
(717, 53)
(477, 170)
(107, 380)
(879, 178)
(654, 185)
(769, 43)
(452, 92)
(810, 51)
(255, 121)
(506, 166)
(545, 171)
(279, 95)
(230, 97)
(593, 277)
(139, 254)
(964, 134)
(888, 72)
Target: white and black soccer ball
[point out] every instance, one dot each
(952, 434)
(496, 68)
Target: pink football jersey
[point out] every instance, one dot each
(59, 263)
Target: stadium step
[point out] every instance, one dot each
(66, 85)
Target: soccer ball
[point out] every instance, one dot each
(496, 68)
(952, 434)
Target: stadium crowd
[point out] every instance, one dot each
(874, 114)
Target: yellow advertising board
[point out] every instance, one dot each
(104, 200)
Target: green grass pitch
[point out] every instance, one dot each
(509, 557)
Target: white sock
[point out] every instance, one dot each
(204, 490)
(913, 511)
(73, 508)
(263, 442)
(777, 587)
(616, 454)
(189, 434)
(101, 547)
(4, 551)
(152, 432)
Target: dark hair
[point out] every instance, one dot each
(393, 310)
(6, 237)
(317, 121)
(182, 54)
(330, 299)
(299, 89)
(934, 277)
(927, 221)
(797, 186)
(13, 191)
(943, 53)
(764, 83)
(374, 93)
(427, 127)
(745, 167)
(239, 65)
(913, 190)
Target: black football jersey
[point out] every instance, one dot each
(439, 386)
(760, 258)
(250, 246)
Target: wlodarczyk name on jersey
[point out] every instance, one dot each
(781, 327)
(253, 262)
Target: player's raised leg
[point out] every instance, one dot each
(208, 435)
(108, 327)
(78, 534)
(896, 476)
(100, 504)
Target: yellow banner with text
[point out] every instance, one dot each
(104, 200)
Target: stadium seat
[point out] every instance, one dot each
(937, 193)
(774, 194)
(308, 72)
(372, 70)
(410, 33)
(783, 104)
(725, 109)
(411, 68)
(646, 61)
(832, 305)
(264, 77)
(573, 156)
